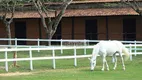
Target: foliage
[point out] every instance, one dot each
(134, 4)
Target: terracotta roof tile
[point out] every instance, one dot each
(88, 1)
(100, 12)
(81, 12)
(28, 14)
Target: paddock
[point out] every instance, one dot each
(65, 70)
(134, 47)
(64, 61)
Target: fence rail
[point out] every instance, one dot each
(135, 48)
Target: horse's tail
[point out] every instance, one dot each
(126, 52)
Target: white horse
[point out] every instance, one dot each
(108, 48)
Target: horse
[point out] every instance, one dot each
(109, 48)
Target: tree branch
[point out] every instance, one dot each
(43, 9)
(39, 9)
(9, 8)
(60, 15)
(133, 4)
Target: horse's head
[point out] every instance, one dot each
(92, 63)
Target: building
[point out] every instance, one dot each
(94, 20)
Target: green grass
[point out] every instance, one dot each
(65, 70)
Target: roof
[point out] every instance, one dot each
(102, 9)
(100, 12)
(81, 12)
(90, 1)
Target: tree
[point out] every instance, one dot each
(134, 4)
(8, 9)
(43, 8)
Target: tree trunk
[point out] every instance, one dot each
(8, 33)
(49, 37)
(15, 56)
(8, 29)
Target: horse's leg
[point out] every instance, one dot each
(115, 60)
(104, 62)
(122, 61)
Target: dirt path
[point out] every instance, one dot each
(41, 71)
(16, 73)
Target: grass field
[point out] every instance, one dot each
(65, 70)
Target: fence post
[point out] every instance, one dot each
(31, 61)
(6, 62)
(130, 48)
(16, 43)
(53, 55)
(113, 59)
(135, 48)
(61, 46)
(84, 46)
(38, 43)
(75, 59)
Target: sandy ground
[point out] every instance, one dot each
(16, 74)
(36, 72)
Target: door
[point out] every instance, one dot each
(20, 32)
(57, 34)
(91, 29)
(129, 29)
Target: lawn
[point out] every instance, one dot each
(65, 70)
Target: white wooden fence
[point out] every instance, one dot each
(53, 57)
(29, 48)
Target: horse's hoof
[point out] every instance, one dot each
(114, 68)
(102, 69)
(124, 69)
